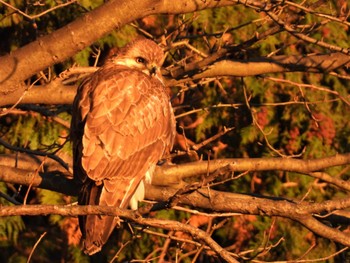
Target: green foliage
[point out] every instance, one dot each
(77, 256)
(10, 226)
(15, 258)
(82, 58)
(52, 198)
(33, 132)
(90, 4)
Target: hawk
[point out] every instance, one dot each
(122, 124)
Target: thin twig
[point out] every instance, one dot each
(306, 38)
(36, 244)
(32, 17)
(7, 111)
(35, 152)
(255, 122)
(9, 198)
(165, 248)
(36, 172)
(119, 251)
(310, 11)
(196, 147)
(310, 86)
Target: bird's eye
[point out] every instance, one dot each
(140, 60)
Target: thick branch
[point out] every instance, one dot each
(313, 63)
(210, 199)
(67, 41)
(54, 181)
(122, 213)
(174, 174)
(258, 66)
(231, 202)
(32, 162)
(257, 206)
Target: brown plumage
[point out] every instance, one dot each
(122, 124)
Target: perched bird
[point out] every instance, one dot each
(122, 124)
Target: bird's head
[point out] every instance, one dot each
(142, 54)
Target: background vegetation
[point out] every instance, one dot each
(286, 95)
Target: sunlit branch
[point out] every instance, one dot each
(122, 213)
(35, 152)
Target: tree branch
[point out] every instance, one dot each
(35, 152)
(173, 175)
(64, 94)
(54, 181)
(67, 41)
(247, 205)
(277, 64)
(204, 198)
(129, 215)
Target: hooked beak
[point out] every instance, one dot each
(153, 70)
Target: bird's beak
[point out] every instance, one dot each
(153, 70)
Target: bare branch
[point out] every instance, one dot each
(305, 37)
(35, 152)
(207, 199)
(248, 205)
(313, 63)
(173, 175)
(67, 41)
(31, 17)
(50, 180)
(129, 215)
(258, 66)
(310, 11)
(36, 244)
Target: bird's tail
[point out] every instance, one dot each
(95, 229)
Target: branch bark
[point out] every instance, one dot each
(174, 173)
(171, 175)
(64, 94)
(261, 65)
(278, 64)
(251, 205)
(204, 198)
(67, 41)
(129, 215)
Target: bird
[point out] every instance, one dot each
(122, 125)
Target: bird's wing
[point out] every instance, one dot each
(127, 128)
(128, 123)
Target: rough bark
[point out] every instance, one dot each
(56, 92)
(70, 39)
